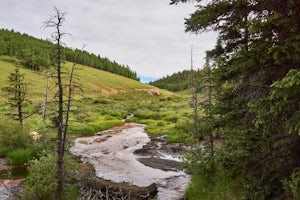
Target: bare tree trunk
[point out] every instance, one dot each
(194, 99)
(210, 113)
(45, 103)
(56, 21)
(60, 149)
(68, 106)
(19, 103)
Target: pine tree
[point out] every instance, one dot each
(260, 58)
(17, 93)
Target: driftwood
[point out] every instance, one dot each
(92, 188)
(102, 189)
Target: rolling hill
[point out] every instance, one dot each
(93, 81)
(36, 54)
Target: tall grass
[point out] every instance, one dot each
(20, 156)
(13, 136)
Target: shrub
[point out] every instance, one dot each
(209, 179)
(292, 184)
(3, 151)
(101, 126)
(147, 114)
(12, 136)
(92, 128)
(19, 156)
(41, 180)
(101, 101)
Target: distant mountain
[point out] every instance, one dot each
(176, 82)
(35, 54)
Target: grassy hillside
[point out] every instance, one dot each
(93, 81)
(36, 53)
(108, 98)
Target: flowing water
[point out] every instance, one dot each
(112, 155)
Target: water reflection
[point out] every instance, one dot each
(14, 173)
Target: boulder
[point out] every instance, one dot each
(154, 92)
(35, 135)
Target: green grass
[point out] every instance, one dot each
(108, 98)
(93, 81)
(20, 156)
(92, 128)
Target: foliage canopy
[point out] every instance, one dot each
(257, 70)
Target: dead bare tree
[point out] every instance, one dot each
(64, 95)
(194, 97)
(71, 86)
(45, 103)
(56, 21)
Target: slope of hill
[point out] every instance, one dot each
(36, 54)
(93, 81)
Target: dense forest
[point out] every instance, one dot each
(178, 81)
(36, 54)
(250, 100)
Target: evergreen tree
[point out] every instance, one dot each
(17, 93)
(258, 77)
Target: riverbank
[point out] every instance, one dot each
(127, 155)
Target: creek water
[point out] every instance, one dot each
(112, 155)
(14, 173)
(8, 174)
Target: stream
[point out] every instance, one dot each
(10, 179)
(127, 154)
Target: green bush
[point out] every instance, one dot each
(13, 136)
(3, 151)
(147, 114)
(209, 178)
(102, 101)
(101, 126)
(41, 182)
(291, 185)
(92, 128)
(19, 156)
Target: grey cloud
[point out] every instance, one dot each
(146, 35)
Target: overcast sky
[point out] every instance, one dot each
(146, 35)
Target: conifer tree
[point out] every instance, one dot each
(17, 93)
(260, 58)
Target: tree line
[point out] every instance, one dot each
(178, 81)
(36, 54)
(251, 101)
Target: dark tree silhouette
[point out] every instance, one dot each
(56, 22)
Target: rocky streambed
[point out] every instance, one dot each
(127, 154)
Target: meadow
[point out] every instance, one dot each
(104, 101)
